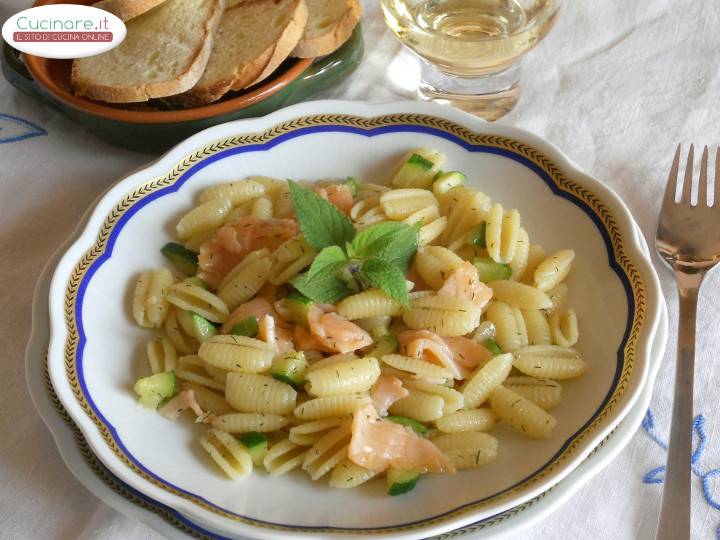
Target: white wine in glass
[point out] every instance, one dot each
(471, 49)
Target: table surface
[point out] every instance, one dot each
(616, 85)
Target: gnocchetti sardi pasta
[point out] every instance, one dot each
(349, 330)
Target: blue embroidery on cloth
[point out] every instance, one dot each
(657, 475)
(15, 129)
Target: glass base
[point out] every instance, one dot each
(490, 96)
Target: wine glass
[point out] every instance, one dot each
(471, 50)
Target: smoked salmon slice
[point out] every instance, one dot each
(232, 242)
(377, 444)
(335, 333)
(464, 282)
(338, 195)
(387, 390)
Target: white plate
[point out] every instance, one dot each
(113, 492)
(93, 341)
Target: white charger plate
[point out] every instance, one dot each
(83, 464)
(93, 341)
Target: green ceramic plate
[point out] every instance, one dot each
(159, 136)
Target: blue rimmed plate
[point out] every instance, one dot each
(93, 343)
(171, 524)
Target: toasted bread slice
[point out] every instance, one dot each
(330, 24)
(165, 53)
(254, 38)
(127, 9)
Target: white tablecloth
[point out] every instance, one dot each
(616, 85)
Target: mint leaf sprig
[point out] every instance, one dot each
(321, 223)
(347, 261)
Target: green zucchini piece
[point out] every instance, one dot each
(417, 427)
(247, 327)
(479, 238)
(352, 185)
(400, 482)
(450, 179)
(386, 344)
(419, 161)
(256, 444)
(489, 270)
(154, 389)
(297, 305)
(290, 368)
(181, 258)
(419, 169)
(492, 346)
(202, 329)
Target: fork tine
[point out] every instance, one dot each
(702, 183)
(671, 186)
(687, 182)
(716, 191)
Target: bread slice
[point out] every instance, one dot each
(127, 9)
(165, 53)
(330, 24)
(254, 38)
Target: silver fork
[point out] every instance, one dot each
(688, 240)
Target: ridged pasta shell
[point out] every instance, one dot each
(467, 208)
(510, 330)
(161, 355)
(490, 376)
(564, 327)
(262, 208)
(558, 296)
(519, 295)
(191, 368)
(229, 454)
(204, 217)
(419, 405)
(468, 449)
(309, 433)
(246, 422)
(283, 457)
(329, 406)
(444, 315)
(246, 279)
(328, 451)
(520, 258)
(182, 341)
(193, 298)
(348, 474)
(416, 366)
(545, 393)
(236, 192)
(237, 353)
(550, 362)
(249, 392)
(537, 326)
(554, 269)
(453, 400)
(431, 231)
(467, 420)
(522, 414)
(150, 298)
(343, 378)
(369, 303)
(401, 203)
(435, 264)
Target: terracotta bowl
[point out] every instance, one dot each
(151, 128)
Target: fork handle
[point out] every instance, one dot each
(674, 521)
